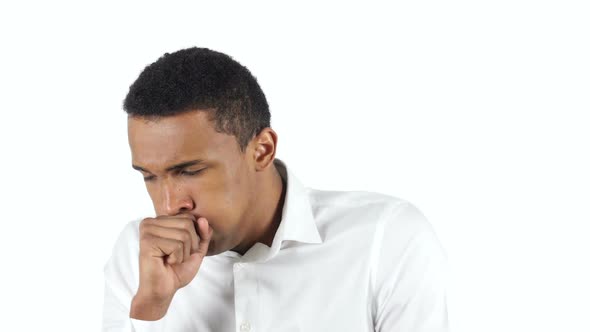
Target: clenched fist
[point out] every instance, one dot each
(170, 254)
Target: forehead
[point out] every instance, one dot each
(173, 139)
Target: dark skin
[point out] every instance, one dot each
(230, 200)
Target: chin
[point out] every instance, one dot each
(213, 249)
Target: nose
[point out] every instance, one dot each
(175, 200)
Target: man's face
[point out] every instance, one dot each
(220, 191)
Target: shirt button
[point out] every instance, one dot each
(245, 327)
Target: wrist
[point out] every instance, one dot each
(148, 308)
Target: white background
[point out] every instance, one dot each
(475, 111)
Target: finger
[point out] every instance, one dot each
(185, 222)
(179, 234)
(174, 258)
(205, 232)
(175, 217)
(170, 249)
(189, 268)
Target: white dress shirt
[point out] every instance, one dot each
(340, 261)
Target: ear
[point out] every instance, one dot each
(264, 146)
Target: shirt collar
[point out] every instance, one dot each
(297, 221)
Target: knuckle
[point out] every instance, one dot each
(145, 237)
(186, 236)
(144, 230)
(187, 225)
(145, 223)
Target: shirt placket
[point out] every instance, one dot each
(245, 297)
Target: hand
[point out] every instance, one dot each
(170, 254)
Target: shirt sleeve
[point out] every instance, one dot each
(121, 279)
(411, 275)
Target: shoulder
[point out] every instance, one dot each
(389, 222)
(350, 201)
(367, 208)
(345, 198)
(409, 269)
(123, 262)
(369, 216)
(128, 239)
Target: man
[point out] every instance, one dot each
(238, 243)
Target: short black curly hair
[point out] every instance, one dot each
(201, 79)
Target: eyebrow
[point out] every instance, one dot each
(174, 167)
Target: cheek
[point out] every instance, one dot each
(221, 199)
(218, 206)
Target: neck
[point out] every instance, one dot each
(267, 215)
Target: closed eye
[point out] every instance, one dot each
(187, 173)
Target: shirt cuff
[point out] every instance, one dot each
(147, 325)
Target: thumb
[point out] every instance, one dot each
(205, 234)
(187, 270)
